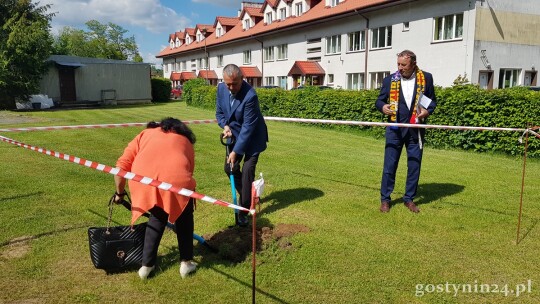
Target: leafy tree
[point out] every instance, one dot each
(25, 44)
(101, 41)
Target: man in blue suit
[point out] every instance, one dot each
(406, 96)
(239, 115)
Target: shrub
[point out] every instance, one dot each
(460, 105)
(161, 89)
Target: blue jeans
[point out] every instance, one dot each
(392, 151)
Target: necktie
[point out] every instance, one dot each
(231, 99)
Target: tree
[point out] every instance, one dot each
(25, 44)
(101, 41)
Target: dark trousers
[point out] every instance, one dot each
(243, 178)
(392, 151)
(154, 232)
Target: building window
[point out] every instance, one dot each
(377, 78)
(448, 27)
(269, 53)
(282, 13)
(330, 79)
(355, 81)
(298, 10)
(247, 57)
(357, 41)
(218, 32)
(165, 68)
(184, 66)
(177, 67)
(405, 26)
(381, 37)
(269, 18)
(219, 60)
(509, 78)
(203, 63)
(282, 52)
(247, 24)
(282, 82)
(332, 3)
(333, 44)
(171, 44)
(269, 81)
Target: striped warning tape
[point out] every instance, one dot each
(385, 124)
(134, 124)
(127, 175)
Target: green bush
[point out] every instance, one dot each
(191, 94)
(161, 89)
(460, 105)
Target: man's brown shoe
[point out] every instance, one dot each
(412, 207)
(385, 207)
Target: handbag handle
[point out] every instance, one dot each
(125, 203)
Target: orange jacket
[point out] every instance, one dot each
(167, 157)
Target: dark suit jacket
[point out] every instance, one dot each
(244, 118)
(404, 114)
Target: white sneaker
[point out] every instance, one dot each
(145, 271)
(187, 267)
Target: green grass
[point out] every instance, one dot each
(324, 179)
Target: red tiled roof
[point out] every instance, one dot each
(319, 12)
(182, 76)
(208, 74)
(226, 21)
(190, 31)
(306, 68)
(252, 11)
(272, 4)
(209, 28)
(251, 72)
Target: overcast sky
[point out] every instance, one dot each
(150, 21)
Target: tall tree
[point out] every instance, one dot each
(101, 41)
(25, 44)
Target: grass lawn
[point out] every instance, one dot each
(325, 180)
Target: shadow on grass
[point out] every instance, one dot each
(21, 196)
(435, 191)
(284, 198)
(527, 231)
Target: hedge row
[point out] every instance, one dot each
(463, 105)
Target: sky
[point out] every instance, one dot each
(149, 21)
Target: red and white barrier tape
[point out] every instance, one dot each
(385, 124)
(134, 124)
(127, 175)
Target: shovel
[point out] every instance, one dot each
(231, 176)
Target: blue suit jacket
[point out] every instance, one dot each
(244, 118)
(404, 114)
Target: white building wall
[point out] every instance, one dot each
(446, 60)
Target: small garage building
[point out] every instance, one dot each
(73, 80)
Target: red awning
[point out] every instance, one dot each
(182, 76)
(251, 72)
(175, 76)
(306, 68)
(208, 74)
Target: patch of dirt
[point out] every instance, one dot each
(235, 244)
(9, 118)
(17, 248)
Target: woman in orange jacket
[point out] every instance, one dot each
(163, 151)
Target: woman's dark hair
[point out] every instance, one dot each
(170, 124)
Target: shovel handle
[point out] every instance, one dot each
(230, 143)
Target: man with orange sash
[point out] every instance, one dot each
(406, 96)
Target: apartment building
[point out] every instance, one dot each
(352, 44)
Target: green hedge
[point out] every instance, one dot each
(463, 105)
(161, 89)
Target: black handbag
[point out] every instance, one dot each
(118, 247)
